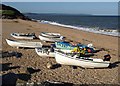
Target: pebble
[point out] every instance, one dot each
(49, 65)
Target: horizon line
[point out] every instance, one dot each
(74, 14)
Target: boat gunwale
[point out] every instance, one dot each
(103, 62)
(22, 35)
(51, 34)
(23, 42)
(50, 37)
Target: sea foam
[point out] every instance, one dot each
(89, 29)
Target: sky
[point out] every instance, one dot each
(95, 8)
(60, 0)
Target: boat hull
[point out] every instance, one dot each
(27, 44)
(63, 50)
(44, 54)
(49, 39)
(68, 47)
(62, 45)
(22, 37)
(50, 34)
(66, 60)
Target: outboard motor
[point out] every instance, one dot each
(107, 57)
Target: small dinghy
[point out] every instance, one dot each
(85, 62)
(48, 51)
(27, 44)
(23, 35)
(50, 34)
(50, 39)
(45, 52)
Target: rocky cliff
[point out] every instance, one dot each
(8, 12)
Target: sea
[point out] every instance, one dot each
(107, 25)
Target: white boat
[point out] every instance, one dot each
(45, 52)
(63, 50)
(27, 44)
(50, 34)
(85, 62)
(23, 35)
(50, 39)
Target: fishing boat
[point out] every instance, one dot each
(50, 39)
(45, 52)
(23, 35)
(66, 46)
(85, 62)
(48, 51)
(50, 34)
(28, 44)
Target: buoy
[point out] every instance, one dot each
(17, 47)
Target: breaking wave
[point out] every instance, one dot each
(89, 29)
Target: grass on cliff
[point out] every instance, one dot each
(7, 12)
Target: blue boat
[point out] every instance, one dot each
(64, 45)
(67, 46)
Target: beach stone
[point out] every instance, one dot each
(18, 47)
(14, 57)
(22, 71)
(49, 65)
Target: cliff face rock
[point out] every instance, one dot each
(8, 12)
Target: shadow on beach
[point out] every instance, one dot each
(25, 48)
(6, 67)
(115, 64)
(54, 66)
(30, 70)
(5, 54)
(50, 83)
(95, 51)
(11, 78)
